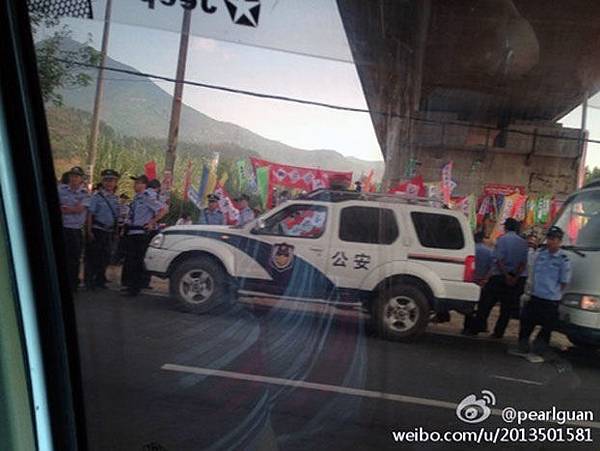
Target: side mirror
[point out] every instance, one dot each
(260, 225)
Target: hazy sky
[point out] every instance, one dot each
(262, 70)
(331, 77)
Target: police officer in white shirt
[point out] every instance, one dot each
(143, 214)
(74, 201)
(246, 213)
(551, 273)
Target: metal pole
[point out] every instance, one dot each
(582, 144)
(178, 94)
(93, 144)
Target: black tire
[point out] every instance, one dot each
(209, 276)
(407, 318)
(584, 344)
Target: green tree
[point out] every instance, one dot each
(58, 66)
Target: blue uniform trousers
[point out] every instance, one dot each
(73, 244)
(538, 312)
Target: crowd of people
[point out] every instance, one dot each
(526, 280)
(105, 228)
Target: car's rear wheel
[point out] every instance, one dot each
(401, 312)
(200, 285)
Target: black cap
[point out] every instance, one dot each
(110, 173)
(213, 198)
(154, 184)
(140, 178)
(512, 224)
(76, 170)
(555, 232)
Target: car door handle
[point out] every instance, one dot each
(316, 249)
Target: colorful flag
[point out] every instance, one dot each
(367, 185)
(414, 187)
(240, 166)
(518, 208)
(447, 183)
(262, 182)
(150, 170)
(226, 205)
(202, 192)
(212, 174)
(187, 180)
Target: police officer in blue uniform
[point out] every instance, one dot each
(212, 215)
(551, 273)
(507, 281)
(484, 259)
(154, 187)
(74, 200)
(246, 213)
(102, 220)
(143, 215)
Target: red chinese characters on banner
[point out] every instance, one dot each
(497, 189)
(295, 177)
(307, 179)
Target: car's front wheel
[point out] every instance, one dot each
(199, 284)
(401, 312)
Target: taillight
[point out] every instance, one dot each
(469, 268)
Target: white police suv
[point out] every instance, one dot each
(401, 258)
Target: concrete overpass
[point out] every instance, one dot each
(479, 82)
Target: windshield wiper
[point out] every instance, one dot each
(574, 249)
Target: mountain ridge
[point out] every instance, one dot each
(135, 106)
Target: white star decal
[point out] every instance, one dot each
(242, 9)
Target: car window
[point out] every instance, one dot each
(368, 225)
(438, 231)
(301, 221)
(331, 129)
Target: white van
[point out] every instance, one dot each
(580, 307)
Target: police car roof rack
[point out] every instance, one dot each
(327, 195)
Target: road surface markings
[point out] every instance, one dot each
(514, 379)
(334, 389)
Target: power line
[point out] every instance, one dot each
(322, 104)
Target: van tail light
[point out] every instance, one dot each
(469, 268)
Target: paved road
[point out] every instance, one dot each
(290, 378)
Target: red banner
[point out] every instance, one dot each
(227, 205)
(307, 179)
(496, 189)
(414, 187)
(150, 170)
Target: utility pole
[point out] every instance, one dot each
(93, 144)
(582, 141)
(178, 94)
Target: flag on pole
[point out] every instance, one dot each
(226, 205)
(203, 183)
(262, 181)
(240, 166)
(150, 170)
(447, 183)
(212, 174)
(187, 180)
